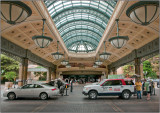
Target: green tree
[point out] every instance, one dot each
(147, 67)
(10, 75)
(41, 75)
(128, 70)
(8, 65)
(154, 75)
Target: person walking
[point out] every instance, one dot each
(144, 92)
(71, 82)
(154, 85)
(138, 89)
(151, 87)
(146, 88)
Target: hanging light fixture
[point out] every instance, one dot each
(57, 55)
(14, 12)
(118, 41)
(68, 65)
(64, 62)
(98, 62)
(95, 65)
(105, 55)
(41, 40)
(143, 12)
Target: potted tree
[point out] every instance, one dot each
(10, 76)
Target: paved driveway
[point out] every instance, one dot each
(76, 102)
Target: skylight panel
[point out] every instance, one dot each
(57, 3)
(81, 20)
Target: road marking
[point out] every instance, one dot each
(119, 109)
(41, 107)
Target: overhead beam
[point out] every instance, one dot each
(148, 49)
(16, 50)
(82, 73)
(80, 69)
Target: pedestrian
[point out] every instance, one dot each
(146, 88)
(144, 92)
(55, 83)
(71, 82)
(138, 89)
(150, 87)
(154, 88)
(158, 84)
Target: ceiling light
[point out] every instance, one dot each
(14, 12)
(118, 41)
(143, 12)
(57, 55)
(105, 55)
(41, 40)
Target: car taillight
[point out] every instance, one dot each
(53, 89)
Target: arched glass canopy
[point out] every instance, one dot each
(80, 23)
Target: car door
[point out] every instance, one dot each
(117, 87)
(106, 87)
(112, 87)
(38, 89)
(26, 91)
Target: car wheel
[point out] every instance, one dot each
(43, 96)
(92, 94)
(11, 96)
(126, 94)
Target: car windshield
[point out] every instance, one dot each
(101, 82)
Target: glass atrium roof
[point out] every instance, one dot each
(80, 23)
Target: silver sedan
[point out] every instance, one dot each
(43, 91)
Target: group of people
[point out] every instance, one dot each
(148, 87)
(62, 86)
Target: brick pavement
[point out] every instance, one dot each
(76, 102)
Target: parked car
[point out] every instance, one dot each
(110, 87)
(43, 91)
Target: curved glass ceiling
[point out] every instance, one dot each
(80, 23)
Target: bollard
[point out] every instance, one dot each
(66, 91)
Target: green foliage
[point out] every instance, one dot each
(128, 70)
(41, 75)
(10, 75)
(8, 65)
(154, 75)
(148, 68)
